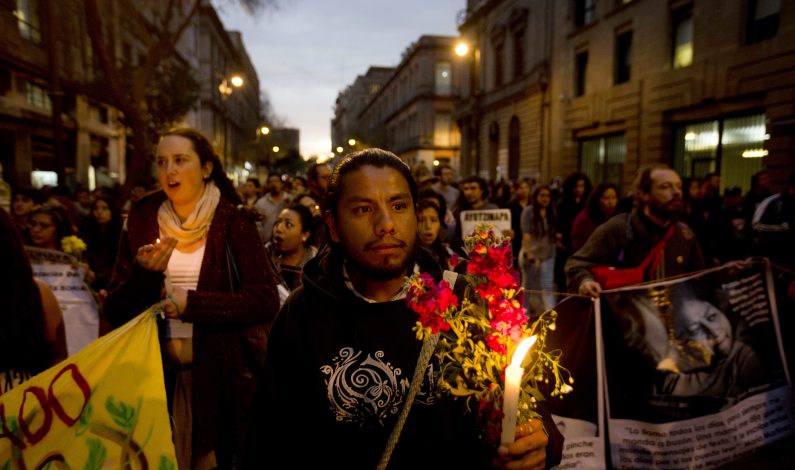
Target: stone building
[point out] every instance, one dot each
(604, 86)
(411, 114)
(706, 86)
(504, 109)
(350, 102)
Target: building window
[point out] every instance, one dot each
(498, 63)
(682, 37)
(514, 160)
(732, 147)
(583, 12)
(37, 96)
(623, 57)
(441, 133)
(580, 69)
(444, 78)
(27, 14)
(762, 19)
(518, 53)
(602, 158)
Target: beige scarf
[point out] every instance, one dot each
(198, 222)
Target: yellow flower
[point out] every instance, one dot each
(73, 245)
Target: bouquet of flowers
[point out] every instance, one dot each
(479, 333)
(73, 245)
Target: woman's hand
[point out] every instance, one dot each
(155, 256)
(528, 451)
(175, 303)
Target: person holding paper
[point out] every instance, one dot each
(342, 354)
(188, 248)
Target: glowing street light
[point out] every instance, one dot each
(339, 149)
(351, 142)
(436, 163)
(275, 149)
(264, 130)
(237, 81)
(461, 49)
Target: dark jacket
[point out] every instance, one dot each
(615, 244)
(230, 322)
(334, 382)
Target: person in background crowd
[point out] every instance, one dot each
(659, 205)
(773, 226)
(32, 335)
(292, 244)
(22, 202)
(760, 190)
(48, 224)
(83, 203)
(430, 233)
(317, 179)
(521, 199)
(271, 204)
(737, 238)
(600, 206)
(309, 202)
(251, 191)
(210, 274)
(101, 231)
(349, 319)
(139, 190)
(298, 185)
(474, 196)
(537, 256)
(445, 185)
(502, 194)
(576, 189)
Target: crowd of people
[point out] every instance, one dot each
(332, 249)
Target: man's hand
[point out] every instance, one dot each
(155, 256)
(590, 287)
(529, 450)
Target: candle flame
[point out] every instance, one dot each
(521, 351)
(157, 241)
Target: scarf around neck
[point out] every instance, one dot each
(198, 222)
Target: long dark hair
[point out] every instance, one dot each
(92, 231)
(437, 248)
(23, 343)
(592, 206)
(308, 222)
(206, 153)
(63, 226)
(567, 196)
(538, 230)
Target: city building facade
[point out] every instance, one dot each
(705, 86)
(54, 126)
(503, 113)
(351, 101)
(411, 113)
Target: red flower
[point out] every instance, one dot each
(494, 342)
(430, 302)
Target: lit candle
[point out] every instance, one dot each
(510, 400)
(157, 241)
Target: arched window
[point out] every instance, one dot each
(494, 149)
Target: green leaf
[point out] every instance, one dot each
(165, 464)
(122, 413)
(96, 454)
(85, 420)
(6, 466)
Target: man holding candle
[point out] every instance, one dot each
(342, 353)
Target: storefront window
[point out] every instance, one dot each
(602, 159)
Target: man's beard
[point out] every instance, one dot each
(384, 273)
(664, 212)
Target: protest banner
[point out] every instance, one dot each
(580, 414)
(695, 371)
(67, 281)
(104, 407)
(500, 219)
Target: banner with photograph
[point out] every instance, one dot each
(67, 281)
(104, 407)
(580, 414)
(500, 219)
(695, 370)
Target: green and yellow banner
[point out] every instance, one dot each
(104, 407)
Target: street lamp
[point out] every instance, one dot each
(275, 149)
(228, 85)
(351, 142)
(339, 149)
(461, 49)
(264, 130)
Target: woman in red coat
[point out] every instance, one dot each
(190, 249)
(601, 205)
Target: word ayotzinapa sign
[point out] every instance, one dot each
(104, 407)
